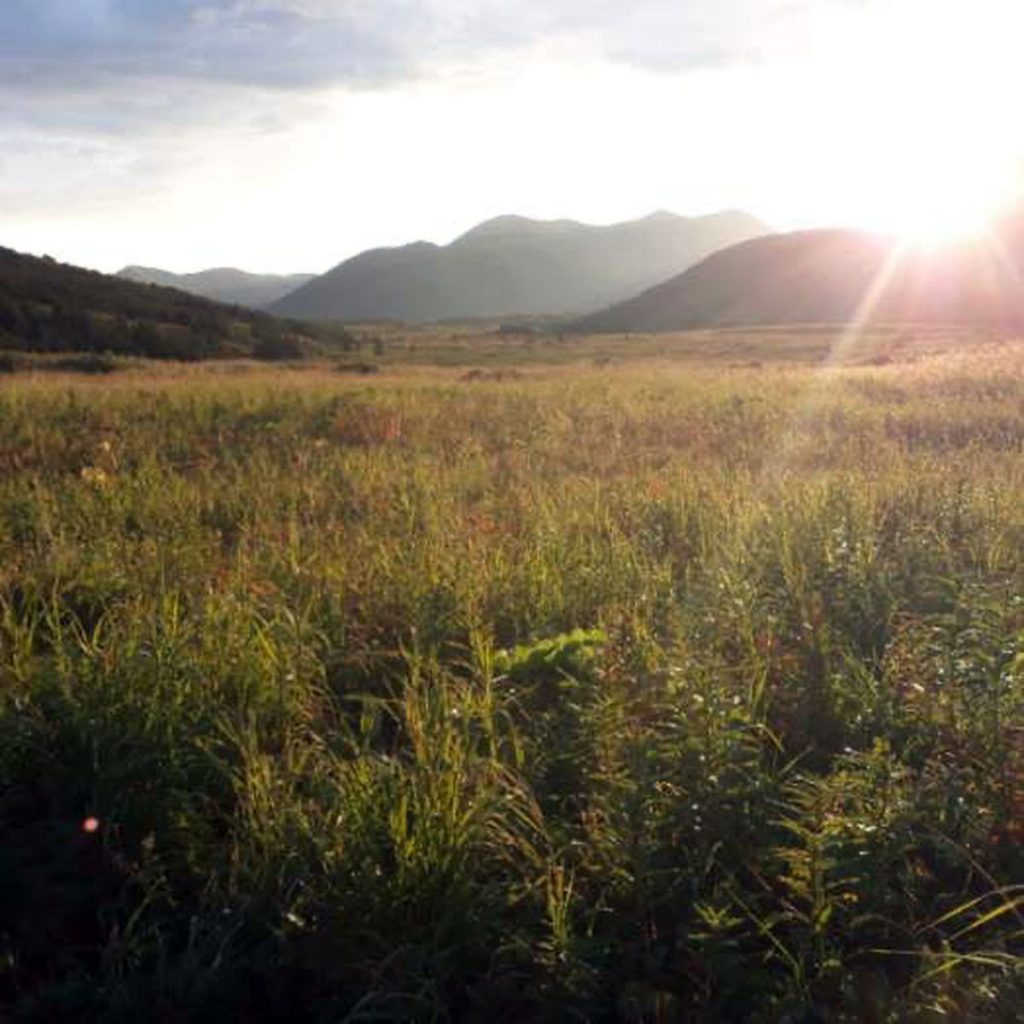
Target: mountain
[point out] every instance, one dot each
(514, 265)
(223, 284)
(831, 277)
(46, 306)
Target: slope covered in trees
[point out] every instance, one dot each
(46, 306)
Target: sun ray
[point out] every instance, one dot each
(853, 330)
(796, 430)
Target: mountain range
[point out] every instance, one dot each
(514, 265)
(832, 277)
(223, 284)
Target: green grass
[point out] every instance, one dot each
(658, 691)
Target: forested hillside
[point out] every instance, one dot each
(46, 306)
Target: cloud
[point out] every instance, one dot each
(103, 100)
(301, 44)
(104, 68)
(54, 45)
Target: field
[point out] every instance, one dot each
(598, 680)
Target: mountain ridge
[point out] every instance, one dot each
(222, 284)
(511, 265)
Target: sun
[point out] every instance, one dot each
(921, 97)
(942, 203)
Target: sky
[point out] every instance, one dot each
(286, 135)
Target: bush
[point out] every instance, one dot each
(278, 349)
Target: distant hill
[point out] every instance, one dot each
(824, 277)
(514, 265)
(46, 306)
(223, 284)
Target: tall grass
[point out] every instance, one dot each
(640, 694)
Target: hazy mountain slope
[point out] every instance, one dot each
(223, 284)
(513, 265)
(824, 277)
(46, 306)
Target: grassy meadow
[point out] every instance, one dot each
(642, 681)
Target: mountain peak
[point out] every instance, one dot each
(510, 224)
